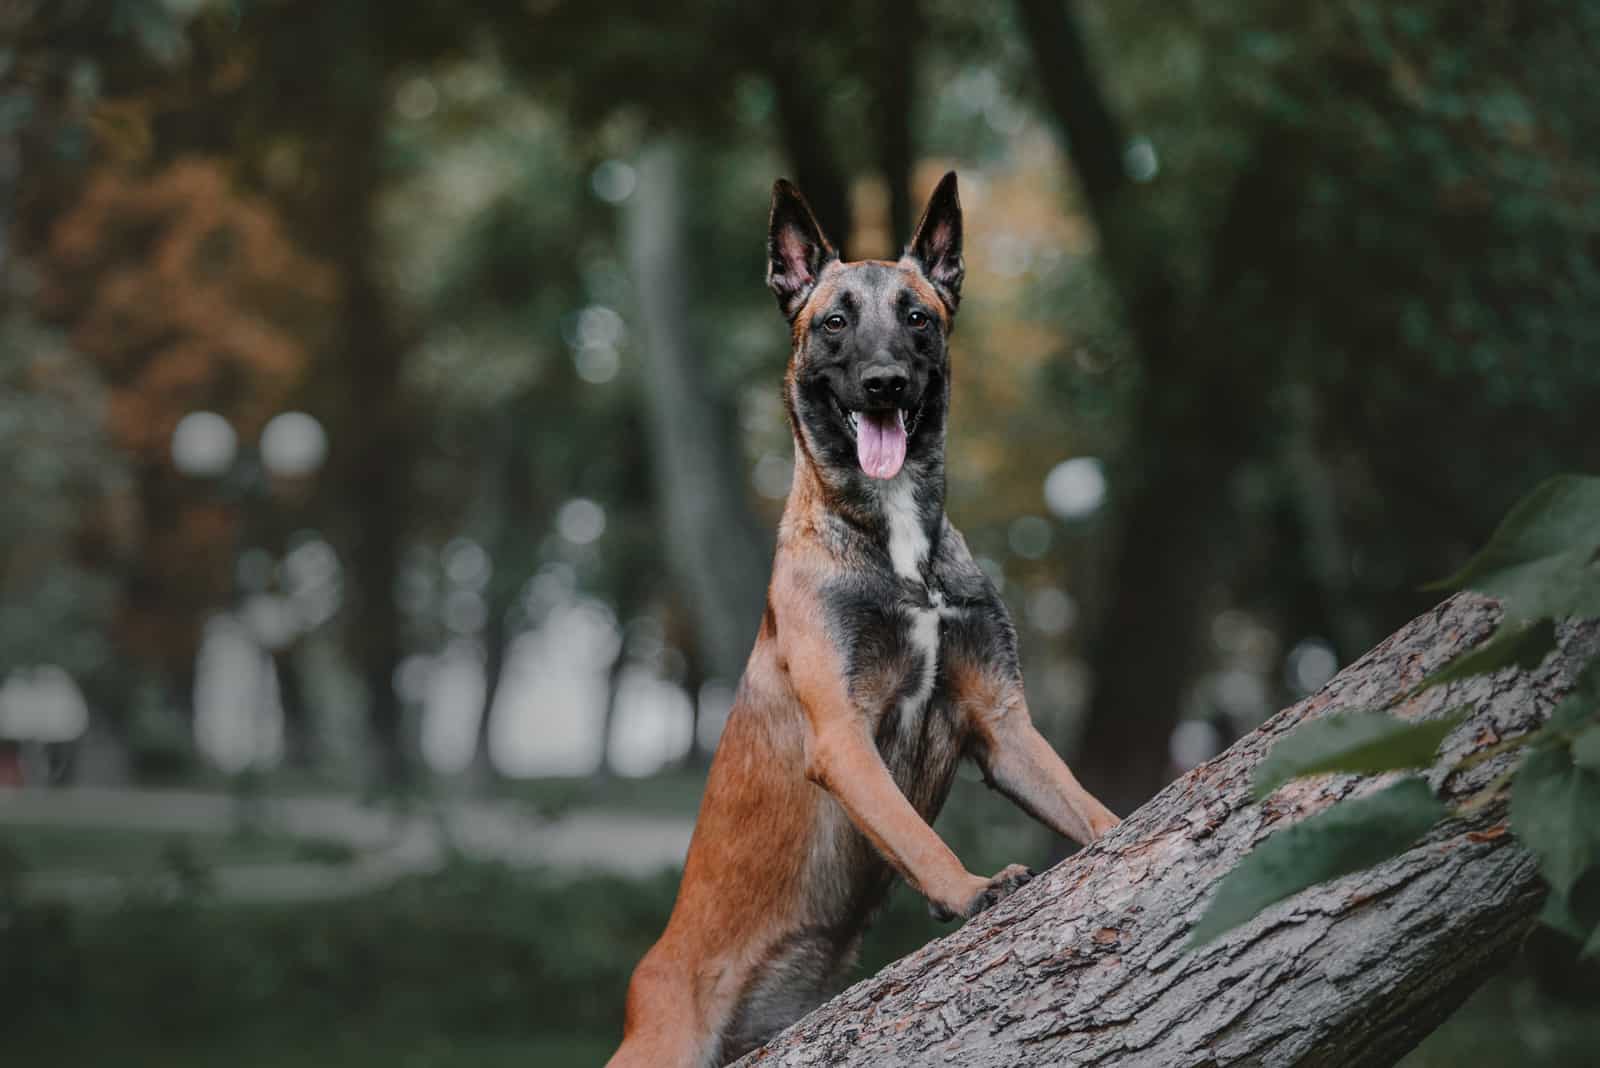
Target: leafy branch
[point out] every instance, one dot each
(1543, 564)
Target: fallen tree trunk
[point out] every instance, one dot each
(1087, 965)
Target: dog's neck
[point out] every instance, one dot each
(903, 516)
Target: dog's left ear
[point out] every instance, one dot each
(797, 249)
(936, 248)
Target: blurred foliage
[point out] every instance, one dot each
(541, 958)
(187, 297)
(57, 467)
(1386, 213)
(1374, 226)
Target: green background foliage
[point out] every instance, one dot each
(1314, 287)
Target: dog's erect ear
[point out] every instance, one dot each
(936, 248)
(796, 249)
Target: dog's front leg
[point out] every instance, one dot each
(842, 759)
(1018, 761)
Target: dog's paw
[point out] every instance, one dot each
(1103, 824)
(1002, 886)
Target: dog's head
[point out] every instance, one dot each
(868, 380)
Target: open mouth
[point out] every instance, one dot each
(881, 437)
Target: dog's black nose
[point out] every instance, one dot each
(884, 383)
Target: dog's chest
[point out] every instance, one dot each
(908, 552)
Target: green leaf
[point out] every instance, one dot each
(1579, 706)
(1352, 835)
(1586, 749)
(1525, 645)
(1555, 811)
(1540, 560)
(1591, 948)
(1354, 741)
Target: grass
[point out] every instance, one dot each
(436, 1053)
(475, 965)
(482, 966)
(107, 851)
(671, 793)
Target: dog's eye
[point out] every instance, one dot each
(835, 322)
(917, 319)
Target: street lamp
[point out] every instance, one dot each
(292, 446)
(204, 445)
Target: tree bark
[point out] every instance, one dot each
(1087, 965)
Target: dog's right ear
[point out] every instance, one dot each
(797, 250)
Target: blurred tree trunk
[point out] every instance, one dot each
(376, 455)
(514, 512)
(1146, 645)
(495, 636)
(1088, 964)
(694, 680)
(299, 727)
(603, 770)
(718, 558)
(807, 142)
(1195, 426)
(894, 80)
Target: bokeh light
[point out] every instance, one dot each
(204, 445)
(1075, 488)
(293, 445)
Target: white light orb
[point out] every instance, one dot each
(1140, 161)
(1309, 665)
(1193, 742)
(614, 181)
(271, 620)
(598, 325)
(581, 521)
(1075, 488)
(466, 564)
(293, 445)
(597, 364)
(772, 475)
(203, 445)
(42, 704)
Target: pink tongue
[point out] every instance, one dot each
(881, 443)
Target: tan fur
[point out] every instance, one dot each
(749, 945)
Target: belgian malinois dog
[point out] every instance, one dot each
(885, 656)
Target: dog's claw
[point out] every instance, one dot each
(1003, 885)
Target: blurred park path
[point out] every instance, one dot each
(385, 841)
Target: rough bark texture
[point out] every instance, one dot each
(1087, 965)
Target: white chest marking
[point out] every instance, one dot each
(908, 541)
(924, 635)
(908, 551)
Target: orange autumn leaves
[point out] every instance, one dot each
(186, 293)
